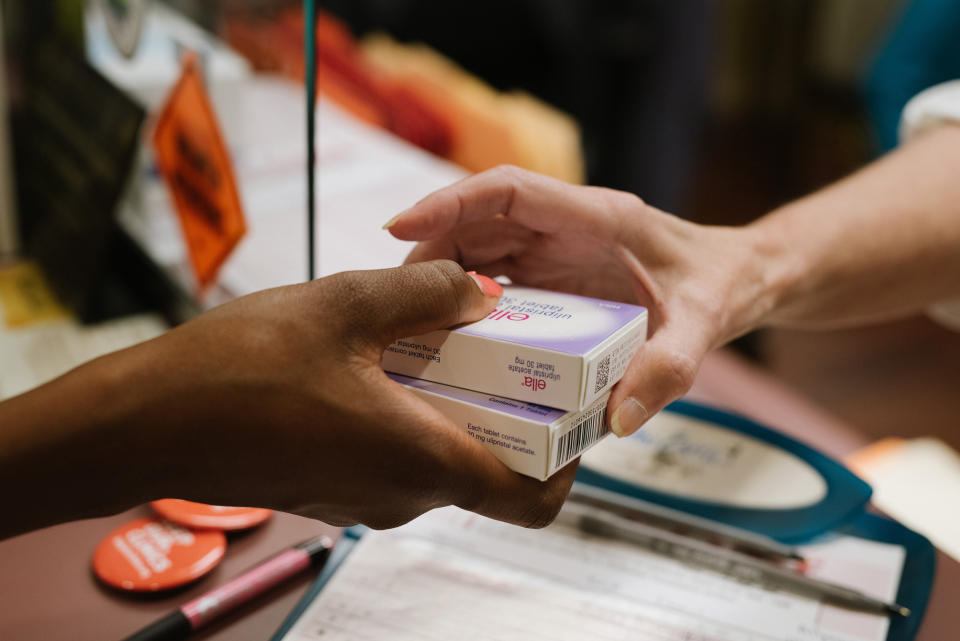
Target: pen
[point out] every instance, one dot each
(735, 564)
(720, 534)
(194, 614)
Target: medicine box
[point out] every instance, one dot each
(530, 439)
(548, 348)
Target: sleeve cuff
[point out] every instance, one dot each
(930, 109)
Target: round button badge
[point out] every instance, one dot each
(151, 554)
(213, 517)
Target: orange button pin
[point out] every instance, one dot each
(217, 517)
(150, 554)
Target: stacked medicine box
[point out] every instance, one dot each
(531, 380)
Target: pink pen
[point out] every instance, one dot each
(195, 614)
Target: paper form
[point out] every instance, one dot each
(454, 575)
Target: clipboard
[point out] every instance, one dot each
(842, 507)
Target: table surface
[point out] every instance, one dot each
(47, 591)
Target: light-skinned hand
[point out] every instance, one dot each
(700, 284)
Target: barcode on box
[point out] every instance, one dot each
(590, 429)
(603, 374)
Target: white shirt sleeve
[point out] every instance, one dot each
(930, 108)
(927, 110)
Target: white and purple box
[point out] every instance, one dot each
(548, 348)
(528, 438)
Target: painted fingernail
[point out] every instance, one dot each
(487, 285)
(629, 417)
(390, 223)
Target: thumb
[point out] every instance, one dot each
(662, 371)
(417, 298)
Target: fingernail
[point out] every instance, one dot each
(390, 223)
(628, 418)
(487, 285)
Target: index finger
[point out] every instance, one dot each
(538, 202)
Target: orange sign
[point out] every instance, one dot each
(194, 162)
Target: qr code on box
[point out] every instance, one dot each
(603, 374)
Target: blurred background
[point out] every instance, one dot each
(718, 111)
